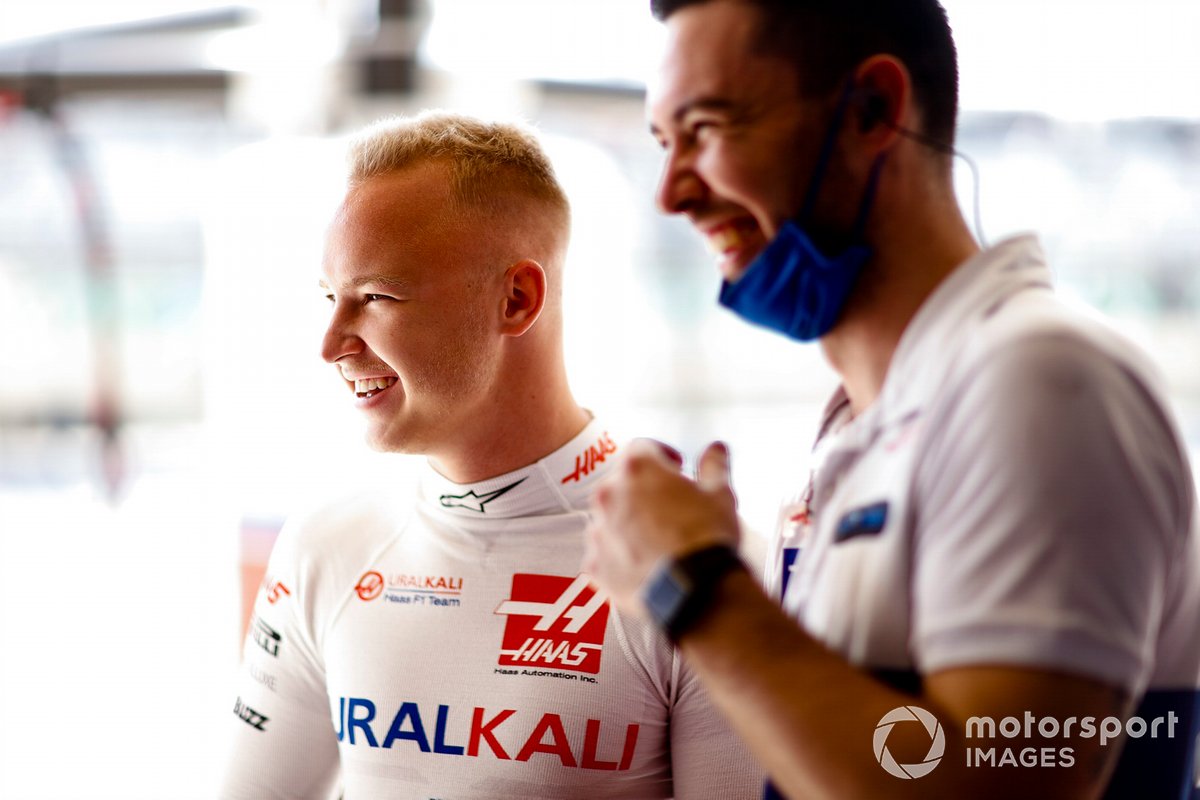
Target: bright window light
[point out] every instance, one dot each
(26, 20)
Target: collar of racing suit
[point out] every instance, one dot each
(561, 482)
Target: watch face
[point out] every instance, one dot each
(678, 593)
(664, 597)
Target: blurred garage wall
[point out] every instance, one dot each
(166, 170)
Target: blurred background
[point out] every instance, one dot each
(166, 170)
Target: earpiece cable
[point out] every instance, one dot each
(942, 147)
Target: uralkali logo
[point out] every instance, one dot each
(369, 586)
(937, 742)
(555, 622)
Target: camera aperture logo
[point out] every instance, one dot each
(937, 742)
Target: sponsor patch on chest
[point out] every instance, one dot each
(554, 621)
(862, 521)
(404, 590)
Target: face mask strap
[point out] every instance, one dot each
(868, 200)
(818, 176)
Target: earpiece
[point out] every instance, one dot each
(873, 108)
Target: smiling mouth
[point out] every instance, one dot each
(731, 237)
(369, 387)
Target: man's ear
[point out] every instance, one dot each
(524, 296)
(882, 94)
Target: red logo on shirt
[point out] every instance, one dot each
(275, 589)
(554, 622)
(586, 461)
(370, 586)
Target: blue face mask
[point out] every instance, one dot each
(791, 286)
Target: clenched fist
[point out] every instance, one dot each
(648, 511)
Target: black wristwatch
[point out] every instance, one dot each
(678, 592)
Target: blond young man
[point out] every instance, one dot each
(446, 645)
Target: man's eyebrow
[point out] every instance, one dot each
(697, 104)
(370, 280)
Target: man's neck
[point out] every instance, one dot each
(511, 438)
(898, 281)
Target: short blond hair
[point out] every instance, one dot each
(488, 162)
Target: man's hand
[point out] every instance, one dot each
(648, 511)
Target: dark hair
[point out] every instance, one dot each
(827, 39)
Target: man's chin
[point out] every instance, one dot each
(735, 265)
(392, 442)
(732, 273)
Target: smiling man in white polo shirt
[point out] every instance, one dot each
(1001, 519)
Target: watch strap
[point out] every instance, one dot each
(680, 591)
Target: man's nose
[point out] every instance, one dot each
(679, 187)
(340, 338)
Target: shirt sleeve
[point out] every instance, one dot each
(1050, 502)
(707, 758)
(283, 743)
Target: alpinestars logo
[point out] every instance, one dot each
(554, 621)
(473, 501)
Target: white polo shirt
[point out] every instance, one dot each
(1018, 494)
(450, 649)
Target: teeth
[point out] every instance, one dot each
(725, 239)
(363, 386)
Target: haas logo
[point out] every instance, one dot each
(554, 622)
(586, 461)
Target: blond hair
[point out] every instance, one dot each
(488, 162)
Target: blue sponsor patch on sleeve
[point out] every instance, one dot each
(864, 521)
